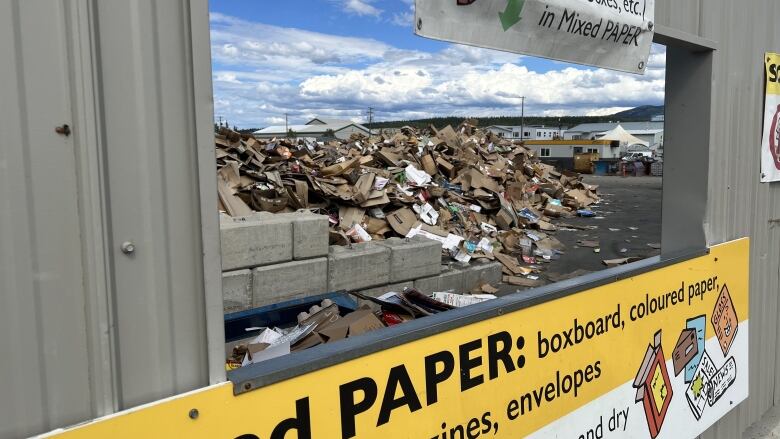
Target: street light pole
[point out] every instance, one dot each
(522, 118)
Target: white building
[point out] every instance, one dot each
(650, 132)
(316, 128)
(565, 149)
(529, 132)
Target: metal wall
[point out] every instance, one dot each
(86, 329)
(738, 205)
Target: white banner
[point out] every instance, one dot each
(614, 34)
(770, 146)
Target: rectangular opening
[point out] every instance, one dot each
(250, 111)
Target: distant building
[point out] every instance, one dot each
(650, 132)
(528, 132)
(557, 150)
(318, 128)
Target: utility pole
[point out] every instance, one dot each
(220, 121)
(286, 127)
(370, 114)
(522, 118)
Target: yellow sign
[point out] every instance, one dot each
(770, 144)
(619, 359)
(772, 64)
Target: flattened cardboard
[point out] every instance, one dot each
(358, 322)
(428, 164)
(363, 187)
(402, 220)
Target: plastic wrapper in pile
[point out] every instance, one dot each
(324, 324)
(481, 196)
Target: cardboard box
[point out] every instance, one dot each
(358, 322)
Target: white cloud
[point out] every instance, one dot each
(261, 46)
(264, 71)
(403, 19)
(361, 7)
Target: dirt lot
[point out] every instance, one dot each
(628, 219)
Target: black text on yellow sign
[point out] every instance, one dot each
(509, 376)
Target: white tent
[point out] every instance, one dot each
(618, 134)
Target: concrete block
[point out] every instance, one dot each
(361, 266)
(290, 280)
(413, 259)
(449, 279)
(378, 291)
(310, 236)
(480, 272)
(237, 290)
(255, 242)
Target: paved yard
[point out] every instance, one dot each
(628, 219)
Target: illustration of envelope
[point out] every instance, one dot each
(685, 350)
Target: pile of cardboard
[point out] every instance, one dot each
(324, 324)
(481, 196)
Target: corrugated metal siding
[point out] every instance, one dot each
(738, 205)
(131, 171)
(86, 330)
(44, 369)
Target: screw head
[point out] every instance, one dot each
(641, 65)
(650, 25)
(419, 24)
(128, 247)
(193, 414)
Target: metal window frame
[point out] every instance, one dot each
(683, 223)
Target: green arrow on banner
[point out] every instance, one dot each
(511, 15)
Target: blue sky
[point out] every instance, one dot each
(336, 58)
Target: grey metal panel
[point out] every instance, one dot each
(84, 329)
(737, 204)
(203, 108)
(150, 141)
(682, 15)
(44, 367)
(688, 92)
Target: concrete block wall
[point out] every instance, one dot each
(271, 258)
(279, 257)
(461, 278)
(413, 258)
(291, 280)
(358, 266)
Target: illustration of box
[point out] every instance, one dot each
(724, 320)
(685, 350)
(654, 389)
